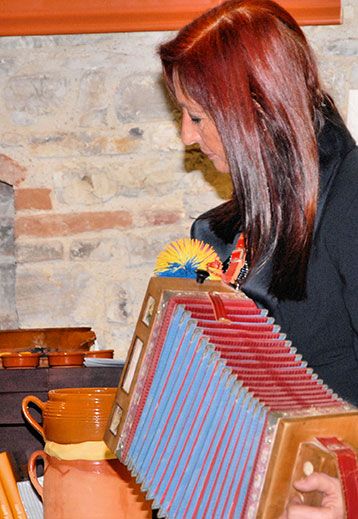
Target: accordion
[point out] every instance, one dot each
(216, 414)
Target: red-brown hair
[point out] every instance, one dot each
(248, 64)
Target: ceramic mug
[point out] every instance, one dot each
(72, 415)
(81, 489)
(100, 394)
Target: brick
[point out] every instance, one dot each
(160, 217)
(138, 98)
(37, 252)
(83, 249)
(7, 246)
(33, 95)
(6, 201)
(126, 144)
(145, 246)
(97, 250)
(92, 101)
(343, 47)
(68, 144)
(54, 295)
(11, 171)
(32, 199)
(68, 224)
(8, 314)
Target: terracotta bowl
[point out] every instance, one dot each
(21, 360)
(65, 358)
(100, 354)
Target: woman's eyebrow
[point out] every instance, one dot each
(190, 109)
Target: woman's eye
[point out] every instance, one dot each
(195, 120)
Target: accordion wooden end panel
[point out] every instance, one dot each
(214, 405)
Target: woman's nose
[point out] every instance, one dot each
(189, 134)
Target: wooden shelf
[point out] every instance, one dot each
(34, 17)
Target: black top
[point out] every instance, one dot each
(324, 326)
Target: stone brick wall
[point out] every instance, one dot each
(8, 314)
(101, 183)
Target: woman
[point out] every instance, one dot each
(332, 506)
(247, 82)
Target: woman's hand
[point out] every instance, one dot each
(332, 506)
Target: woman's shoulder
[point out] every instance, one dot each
(344, 191)
(339, 222)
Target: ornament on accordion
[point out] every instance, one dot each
(216, 413)
(186, 257)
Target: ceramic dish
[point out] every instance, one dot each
(21, 360)
(65, 358)
(99, 354)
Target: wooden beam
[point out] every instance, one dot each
(31, 17)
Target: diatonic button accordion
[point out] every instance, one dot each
(215, 404)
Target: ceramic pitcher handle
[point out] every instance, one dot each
(25, 409)
(31, 467)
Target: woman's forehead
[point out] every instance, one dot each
(182, 98)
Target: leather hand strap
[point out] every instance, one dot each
(348, 472)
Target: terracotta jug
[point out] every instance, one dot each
(79, 489)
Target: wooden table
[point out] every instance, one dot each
(16, 435)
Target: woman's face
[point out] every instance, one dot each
(198, 128)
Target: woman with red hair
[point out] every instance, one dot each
(247, 83)
(248, 86)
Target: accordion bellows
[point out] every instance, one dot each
(214, 403)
